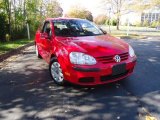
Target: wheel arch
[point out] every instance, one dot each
(53, 56)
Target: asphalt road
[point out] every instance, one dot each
(28, 93)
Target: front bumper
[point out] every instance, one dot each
(95, 75)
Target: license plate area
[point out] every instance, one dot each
(119, 69)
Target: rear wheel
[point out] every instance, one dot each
(37, 52)
(56, 72)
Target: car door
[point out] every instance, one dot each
(45, 39)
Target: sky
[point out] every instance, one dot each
(92, 5)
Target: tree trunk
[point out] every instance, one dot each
(119, 4)
(14, 8)
(24, 12)
(8, 11)
(118, 23)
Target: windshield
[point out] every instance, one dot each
(75, 28)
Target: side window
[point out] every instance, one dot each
(46, 28)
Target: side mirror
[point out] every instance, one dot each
(45, 35)
(104, 32)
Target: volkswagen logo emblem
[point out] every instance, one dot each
(117, 58)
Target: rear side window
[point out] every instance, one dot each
(46, 28)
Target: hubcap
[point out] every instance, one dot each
(56, 72)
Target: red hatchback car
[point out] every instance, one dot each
(79, 52)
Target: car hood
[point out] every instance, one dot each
(97, 45)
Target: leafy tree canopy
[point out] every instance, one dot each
(80, 13)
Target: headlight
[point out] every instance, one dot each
(81, 58)
(131, 51)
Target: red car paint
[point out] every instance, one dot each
(101, 47)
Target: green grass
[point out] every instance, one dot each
(130, 36)
(134, 32)
(8, 46)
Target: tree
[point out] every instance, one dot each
(7, 9)
(3, 22)
(150, 3)
(2, 26)
(88, 15)
(117, 7)
(80, 13)
(140, 5)
(22, 13)
(53, 9)
(101, 19)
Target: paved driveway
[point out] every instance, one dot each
(28, 93)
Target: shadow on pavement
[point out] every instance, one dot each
(27, 92)
(145, 82)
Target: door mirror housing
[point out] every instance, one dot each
(104, 31)
(46, 36)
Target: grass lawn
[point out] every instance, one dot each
(7, 46)
(134, 32)
(130, 36)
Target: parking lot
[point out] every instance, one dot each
(28, 93)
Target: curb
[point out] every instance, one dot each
(14, 52)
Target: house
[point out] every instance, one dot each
(134, 18)
(151, 15)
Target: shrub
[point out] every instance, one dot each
(138, 24)
(154, 24)
(107, 22)
(3, 24)
(18, 33)
(145, 23)
(113, 22)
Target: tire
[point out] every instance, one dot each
(37, 52)
(56, 72)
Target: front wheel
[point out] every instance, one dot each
(56, 72)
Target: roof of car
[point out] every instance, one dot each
(63, 18)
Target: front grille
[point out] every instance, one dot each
(110, 59)
(111, 77)
(86, 80)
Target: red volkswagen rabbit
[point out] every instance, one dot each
(79, 52)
